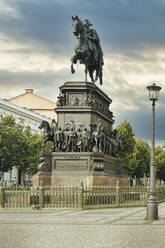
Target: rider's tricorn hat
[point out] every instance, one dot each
(88, 23)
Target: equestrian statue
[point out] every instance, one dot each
(88, 49)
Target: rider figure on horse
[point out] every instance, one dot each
(88, 50)
(92, 36)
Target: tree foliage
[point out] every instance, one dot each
(160, 162)
(135, 153)
(140, 159)
(18, 146)
(125, 130)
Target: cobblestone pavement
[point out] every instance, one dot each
(107, 228)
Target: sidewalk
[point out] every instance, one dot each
(107, 228)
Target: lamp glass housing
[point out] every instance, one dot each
(153, 92)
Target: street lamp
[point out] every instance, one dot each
(152, 205)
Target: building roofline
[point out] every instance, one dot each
(16, 96)
(42, 109)
(24, 111)
(31, 94)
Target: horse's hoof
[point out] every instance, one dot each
(73, 71)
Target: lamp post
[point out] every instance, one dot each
(152, 205)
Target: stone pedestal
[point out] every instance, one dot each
(84, 103)
(73, 168)
(80, 106)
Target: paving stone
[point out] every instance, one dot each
(107, 228)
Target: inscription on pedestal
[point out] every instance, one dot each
(70, 164)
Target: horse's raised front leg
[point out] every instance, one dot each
(72, 69)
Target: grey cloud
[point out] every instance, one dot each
(45, 83)
(141, 122)
(140, 116)
(122, 92)
(122, 25)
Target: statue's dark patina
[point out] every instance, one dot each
(78, 139)
(88, 50)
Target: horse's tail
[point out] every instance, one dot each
(101, 75)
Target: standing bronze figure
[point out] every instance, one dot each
(88, 50)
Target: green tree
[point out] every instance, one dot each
(18, 146)
(128, 145)
(140, 160)
(31, 150)
(135, 153)
(10, 138)
(160, 162)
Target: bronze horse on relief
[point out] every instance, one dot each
(49, 132)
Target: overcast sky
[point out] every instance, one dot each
(36, 44)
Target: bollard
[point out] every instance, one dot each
(157, 192)
(41, 195)
(2, 195)
(82, 196)
(117, 194)
(147, 191)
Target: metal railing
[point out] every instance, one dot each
(78, 197)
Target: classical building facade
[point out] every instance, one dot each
(35, 103)
(27, 118)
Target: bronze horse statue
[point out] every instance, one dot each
(87, 52)
(49, 132)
